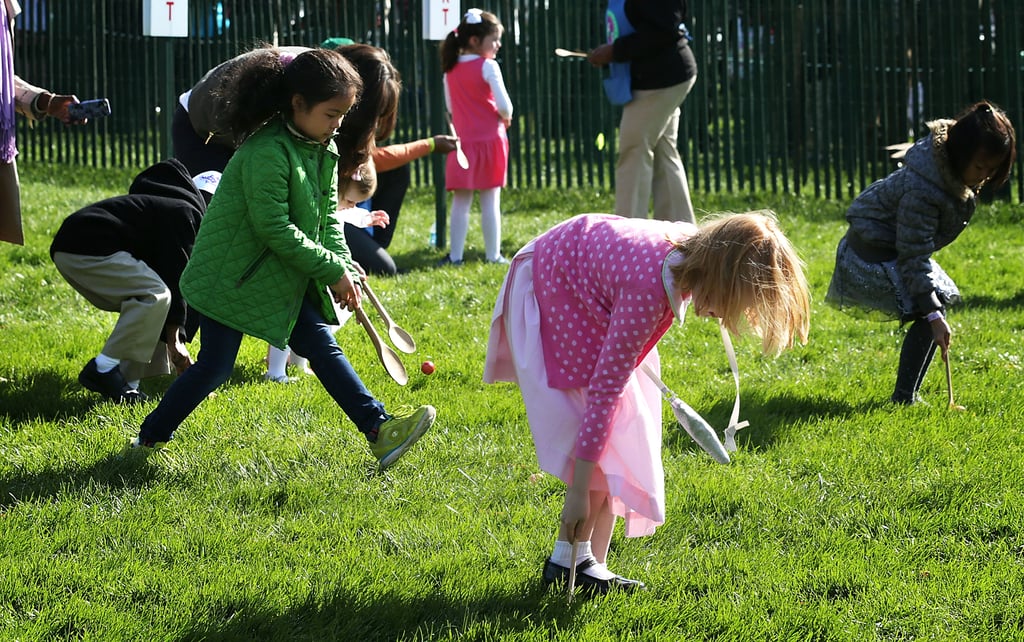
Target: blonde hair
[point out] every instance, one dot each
(745, 269)
(364, 179)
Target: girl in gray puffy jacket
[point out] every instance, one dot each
(884, 264)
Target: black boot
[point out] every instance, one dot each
(915, 357)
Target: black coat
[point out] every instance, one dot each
(658, 51)
(156, 222)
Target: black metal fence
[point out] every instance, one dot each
(792, 96)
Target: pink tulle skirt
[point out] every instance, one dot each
(630, 468)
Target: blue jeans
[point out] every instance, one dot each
(311, 338)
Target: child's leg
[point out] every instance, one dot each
(462, 200)
(277, 364)
(604, 524)
(302, 363)
(924, 368)
(312, 338)
(490, 222)
(212, 367)
(593, 540)
(915, 357)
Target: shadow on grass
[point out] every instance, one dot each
(115, 471)
(45, 395)
(42, 395)
(379, 614)
(770, 416)
(1012, 302)
(426, 259)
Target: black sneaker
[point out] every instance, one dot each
(109, 384)
(447, 260)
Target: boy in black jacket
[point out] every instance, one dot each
(125, 254)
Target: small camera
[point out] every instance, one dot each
(97, 108)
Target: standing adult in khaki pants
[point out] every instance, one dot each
(652, 71)
(18, 96)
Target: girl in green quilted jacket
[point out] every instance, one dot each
(267, 258)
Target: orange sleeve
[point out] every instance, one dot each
(389, 157)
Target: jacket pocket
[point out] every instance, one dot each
(255, 265)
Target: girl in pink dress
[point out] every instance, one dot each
(582, 307)
(480, 111)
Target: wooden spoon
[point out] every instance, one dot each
(392, 364)
(399, 337)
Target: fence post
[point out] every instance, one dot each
(439, 18)
(170, 99)
(166, 19)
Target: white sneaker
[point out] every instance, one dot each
(278, 378)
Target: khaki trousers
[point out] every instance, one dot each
(649, 162)
(10, 204)
(121, 283)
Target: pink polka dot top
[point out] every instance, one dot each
(600, 284)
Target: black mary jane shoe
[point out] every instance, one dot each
(558, 574)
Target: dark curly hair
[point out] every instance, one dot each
(261, 86)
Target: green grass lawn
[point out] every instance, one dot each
(840, 518)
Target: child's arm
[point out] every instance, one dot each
(361, 217)
(633, 327)
(447, 95)
(917, 223)
(492, 74)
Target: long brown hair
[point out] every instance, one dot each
(373, 118)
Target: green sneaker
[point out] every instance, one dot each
(401, 431)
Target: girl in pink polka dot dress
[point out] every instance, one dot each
(582, 307)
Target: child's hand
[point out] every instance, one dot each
(346, 293)
(179, 356)
(941, 335)
(507, 122)
(577, 500)
(379, 218)
(575, 511)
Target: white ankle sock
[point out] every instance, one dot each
(277, 361)
(105, 363)
(563, 553)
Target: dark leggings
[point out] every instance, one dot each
(915, 357)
